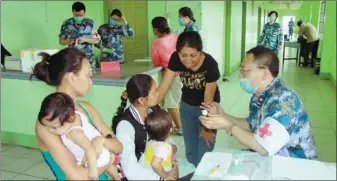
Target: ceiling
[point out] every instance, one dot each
(281, 5)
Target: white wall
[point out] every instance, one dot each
(212, 15)
(251, 25)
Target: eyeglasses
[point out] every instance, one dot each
(248, 70)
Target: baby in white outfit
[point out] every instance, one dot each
(79, 136)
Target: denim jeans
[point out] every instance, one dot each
(195, 146)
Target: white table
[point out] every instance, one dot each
(279, 167)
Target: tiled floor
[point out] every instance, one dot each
(319, 97)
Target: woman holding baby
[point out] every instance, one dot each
(69, 71)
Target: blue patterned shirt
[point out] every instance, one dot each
(191, 27)
(271, 36)
(112, 38)
(72, 30)
(285, 106)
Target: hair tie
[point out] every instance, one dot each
(125, 95)
(48, 59)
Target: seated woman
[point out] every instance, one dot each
(277, 123)
(130, 128)
(69, 71)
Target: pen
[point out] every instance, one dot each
(214, 171)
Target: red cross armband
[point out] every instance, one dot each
(272, 135)
(96, 35)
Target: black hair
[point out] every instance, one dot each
(116, 12)
(52, 68)
(158, 125)
(299, 23)
(186, 11)
(57, 105)
(160, 23)
(271, 12)
(137, 86)
(266, 57)
(78, 6)
(190, 39)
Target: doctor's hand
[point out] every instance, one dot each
(213, 108)
(215, 121)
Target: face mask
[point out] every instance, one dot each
(113, 22)
(181, 22)
(245, 85)
(272, 18)
(78, 19)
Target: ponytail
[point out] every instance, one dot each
(40, 70)
(119, 112)
(192, 18)
(167, 30)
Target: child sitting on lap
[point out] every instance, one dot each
(77, 134)
(159, 151)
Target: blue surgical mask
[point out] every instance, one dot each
(78, 19)
(113, 22)
(181, 22)
(245, 85)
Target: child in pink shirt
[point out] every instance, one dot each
(162, 48)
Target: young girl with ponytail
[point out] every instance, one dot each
(130, 128)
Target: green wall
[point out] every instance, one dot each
(155, 8)
(309, 9)
(328, 44)
(37, 24)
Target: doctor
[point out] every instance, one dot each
(277, 123)
(79, 32)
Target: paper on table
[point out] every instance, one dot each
(301, 169)
(211, 160)
(143, 60)
(110, 66)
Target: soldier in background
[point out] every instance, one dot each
(271, 36)
(291, 25)
(79, 32)
(111, 34)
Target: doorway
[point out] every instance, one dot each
(135, 13)
(285, 25)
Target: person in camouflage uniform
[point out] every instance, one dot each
(186, 19)
(291, 25)
(79, 32)
(111, 34)
(272, 35)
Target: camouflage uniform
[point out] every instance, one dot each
(271, 36)
(72, 30)
(112, 38)
(191, 27)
